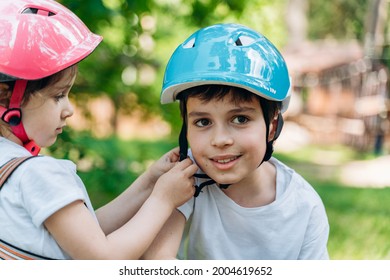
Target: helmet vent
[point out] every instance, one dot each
(37, 11)
(244, 41)
(189, 44)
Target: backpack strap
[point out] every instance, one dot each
(9, 167)
(8, 251)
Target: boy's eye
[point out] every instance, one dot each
(240, 119)
(202, 122)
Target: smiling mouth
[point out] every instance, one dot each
(226, 160)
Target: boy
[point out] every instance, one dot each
(233, 85)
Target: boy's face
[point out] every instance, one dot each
(227, 140)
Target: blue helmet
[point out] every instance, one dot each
(228, 54)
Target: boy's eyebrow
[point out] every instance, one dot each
(198, 114)
(235, 111)
(243, 109)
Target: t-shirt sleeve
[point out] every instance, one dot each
(48, 185)
(187, 208)
(316, 236)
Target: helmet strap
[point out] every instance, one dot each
(13, 116)
(183, 143)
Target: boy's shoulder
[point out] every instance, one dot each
(288, 173)
(294, 184)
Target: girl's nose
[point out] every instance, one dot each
(68, 111)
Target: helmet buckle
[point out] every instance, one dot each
(12, 116)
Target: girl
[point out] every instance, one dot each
(45, 211)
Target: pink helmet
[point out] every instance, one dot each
(38, 38)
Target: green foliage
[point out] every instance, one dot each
(339, 19)
(118, 21)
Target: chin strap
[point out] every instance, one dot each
(183, 143)
(13, 116)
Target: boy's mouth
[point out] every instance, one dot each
(225, 160)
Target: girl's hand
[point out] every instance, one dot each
(177, 185)
(163, 165)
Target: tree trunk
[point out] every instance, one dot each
(296, 20)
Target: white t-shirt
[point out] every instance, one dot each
(294, 226)
(38, 188)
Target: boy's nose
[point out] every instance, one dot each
(221, 137)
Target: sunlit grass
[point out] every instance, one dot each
(359, 223)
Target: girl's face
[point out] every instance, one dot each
(227, 140)
(44, 116)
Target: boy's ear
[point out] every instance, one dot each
(273, 126)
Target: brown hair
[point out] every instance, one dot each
(32, 87)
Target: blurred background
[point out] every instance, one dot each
(337, 128)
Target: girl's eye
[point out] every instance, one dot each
(202, 122)
(240, 119)
(59, 96)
